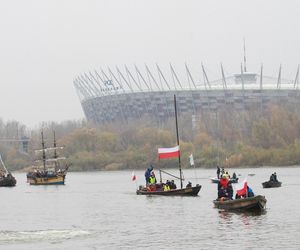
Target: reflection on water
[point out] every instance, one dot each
(101, 211)
(48, 235)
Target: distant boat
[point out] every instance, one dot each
(6, 178)
(250, 204)
(271, 184)
(51, 174)
(187, 191)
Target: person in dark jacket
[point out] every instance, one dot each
(189, 184)
(173, 185)
(218, 172)
(250, 192)
(148, 174)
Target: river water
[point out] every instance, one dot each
(100, 210)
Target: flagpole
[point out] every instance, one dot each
(195, 174)
(179, 161)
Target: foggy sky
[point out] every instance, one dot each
(45, 44)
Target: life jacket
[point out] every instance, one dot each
(224, 182)
(166, 187)
(152, 180)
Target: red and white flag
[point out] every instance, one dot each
(241, 188)
(133, 176)
(168, 152)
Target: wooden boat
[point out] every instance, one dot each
(271, 184)
(54, 175)
(255, 203)
(216, 180)
(187, 191)
(6, 178)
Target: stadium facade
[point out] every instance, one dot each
(131, 93)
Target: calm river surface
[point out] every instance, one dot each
(100, 210)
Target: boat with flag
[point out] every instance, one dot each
(53, 171)
(6, 178)
(162, 188)
(244, 202)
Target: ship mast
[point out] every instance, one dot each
(179, 161)
(55, 153)
(245, 68)
(44, 151)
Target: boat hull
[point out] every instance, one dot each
(53, 180)
(8, 181)
(271, 184)
(189, 191)
(256, 203)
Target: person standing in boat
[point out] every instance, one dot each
(148, 174)
(234, 176)
(275, 176)
(223, 187)
(152, 179)
(218, 172)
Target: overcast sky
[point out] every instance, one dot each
(45, 44)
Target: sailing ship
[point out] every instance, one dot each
(52, 173)
(6, 178)
(189, 190)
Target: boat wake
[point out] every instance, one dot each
(41, 235)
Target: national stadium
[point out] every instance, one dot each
(128, 93)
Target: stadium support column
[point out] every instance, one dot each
(123, 92)
(140, 89)
(150, 76)
(160, 75)
(261, 90)
(206, 82)
(279, 85)
(296, 84)
(103, 96)
(223, 78)
(130, 87)
(190, 78)
(114, 96)
(243, 125)
(148, 107)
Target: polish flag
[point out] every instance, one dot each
(133, 176)
(168, 152)
(241, 188)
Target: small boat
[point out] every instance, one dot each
(271, 184)
(189, 190)
(251, 204)
(216, 180)
(6, 178)
(53, 175)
